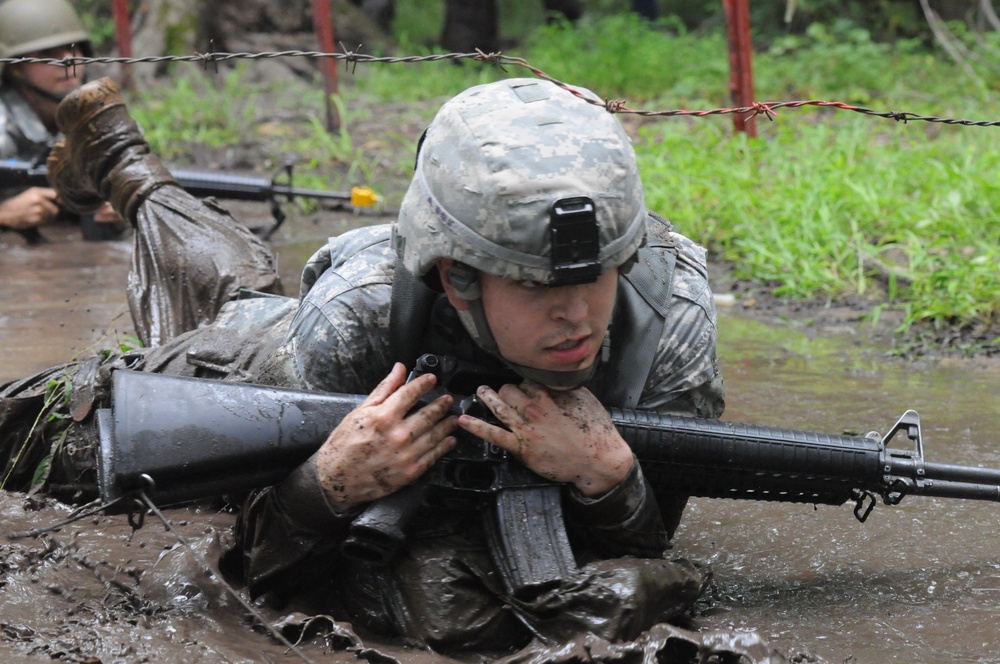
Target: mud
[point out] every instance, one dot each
(918, 582)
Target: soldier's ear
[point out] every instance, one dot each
(445, 266)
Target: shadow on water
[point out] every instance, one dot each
(918, 582)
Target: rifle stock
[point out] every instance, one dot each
(182, 439)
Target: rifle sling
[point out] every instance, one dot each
(411, 301)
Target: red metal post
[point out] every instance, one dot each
(323, 25)
(123, 35)
(740, 61)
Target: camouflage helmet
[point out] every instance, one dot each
(27, 26)
(504, 172)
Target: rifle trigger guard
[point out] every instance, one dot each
(861, 512)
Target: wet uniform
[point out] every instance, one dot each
(336, 338)
(442, 589)
(339, 341)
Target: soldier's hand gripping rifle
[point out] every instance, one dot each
(201, 183)
(183, 439)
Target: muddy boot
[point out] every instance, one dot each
(103, 156)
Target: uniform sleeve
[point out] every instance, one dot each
(338, 339)
(624, 521)
(287, 535)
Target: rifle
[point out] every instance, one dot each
(23, 174)
(182, 439)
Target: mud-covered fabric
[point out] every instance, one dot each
(443, 589)
(190, 259)
(289, 539)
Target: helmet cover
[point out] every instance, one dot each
(491, 167)
(27, 26)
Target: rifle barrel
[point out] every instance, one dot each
(200, 183)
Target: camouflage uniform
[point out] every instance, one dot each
(442, 589)
(339, 341)
(24, 137)
(340, 336)
(22, 134)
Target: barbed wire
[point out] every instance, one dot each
(352, 59)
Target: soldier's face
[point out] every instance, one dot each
(50, 78)
(551, 328)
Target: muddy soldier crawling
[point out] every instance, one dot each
(523, 245)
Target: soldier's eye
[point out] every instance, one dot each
(527, 283)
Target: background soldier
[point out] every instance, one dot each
(29, 95)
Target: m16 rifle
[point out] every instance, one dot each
(182, 439)
(202, 183)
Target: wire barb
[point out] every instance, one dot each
(502, 61)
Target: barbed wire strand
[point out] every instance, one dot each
(619, 106)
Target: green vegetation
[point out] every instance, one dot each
(825, 203)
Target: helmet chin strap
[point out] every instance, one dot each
(466, 284)
(45, 94)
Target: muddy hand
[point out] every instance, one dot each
(563, 436)
(381, 446)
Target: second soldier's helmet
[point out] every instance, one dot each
(523, 179)
(27, 26)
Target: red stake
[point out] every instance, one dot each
(740, 61)
(123, 35)
(323, 25)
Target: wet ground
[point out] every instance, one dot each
(918, 582)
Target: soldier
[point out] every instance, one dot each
(29, 95)
(616, 312)
(524, 246)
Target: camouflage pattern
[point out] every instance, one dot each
(684, 378)
(22, 134)
(492, 163)
(338, 340)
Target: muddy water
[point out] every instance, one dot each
(918, 582)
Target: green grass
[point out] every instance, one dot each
(807, 209)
